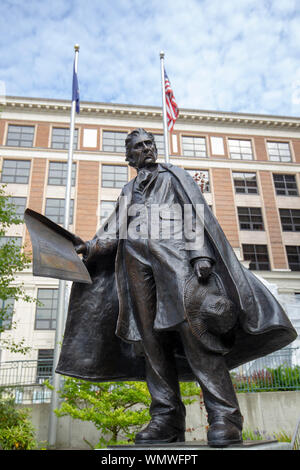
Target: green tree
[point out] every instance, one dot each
(13, 260)
(117, 409)
(16, 430)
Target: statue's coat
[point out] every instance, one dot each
(101, 337)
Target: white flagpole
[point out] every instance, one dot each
(70, 155)
(162, 67)
(63, 290)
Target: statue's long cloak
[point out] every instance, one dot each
(101, 337)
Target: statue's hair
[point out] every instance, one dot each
(128, 143)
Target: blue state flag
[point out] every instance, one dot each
(75, 90)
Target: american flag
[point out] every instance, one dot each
(171, 105)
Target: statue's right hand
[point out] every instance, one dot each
(81, 249)
(80, 246)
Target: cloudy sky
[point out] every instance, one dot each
(225, 55)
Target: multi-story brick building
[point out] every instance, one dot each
(250, 162)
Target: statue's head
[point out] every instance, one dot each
(141, 149)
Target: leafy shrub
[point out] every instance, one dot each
(270, 379)
(16, 430)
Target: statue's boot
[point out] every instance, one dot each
(223, 432)
(159, 431)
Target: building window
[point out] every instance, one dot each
(285, 185)
(293, 254)
(57, 175)
(61, 138)
(245, 183)
(44, 365)
(45, 315)
(160, 143)
(290, 220)
(6, 313)
(279, 151)
(114, 141)
(20, 136)
(55, 210)
(194, 146)
(114, 176)
(250, 218)
(240, 149)
(15, 171)
(19, 204)
(202, 179)
(258, 256)
(106, 209)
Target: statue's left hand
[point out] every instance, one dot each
(202, 268)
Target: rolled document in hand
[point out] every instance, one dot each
(54, 254)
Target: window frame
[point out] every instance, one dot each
(239, 146)
(16, 177)
(66, 138)
(246, 187)
(19, 140)
(116, 182)
(19, 208)
(285, 183)
(160, 144)
(256, 262)
(6, 323)
(293, 224)
(251, 222)
(193, 154)
(277, 143)
(293, 254)
(44, 363)
(59, 218)
(63, 171)
(116, 147)
(52, 312)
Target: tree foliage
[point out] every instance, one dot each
(117, 409)
(12, 261)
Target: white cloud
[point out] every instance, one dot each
(235, 55)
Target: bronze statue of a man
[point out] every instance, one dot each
(162, 308)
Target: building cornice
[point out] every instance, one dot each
(217, 118)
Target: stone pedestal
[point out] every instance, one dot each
(199, 446)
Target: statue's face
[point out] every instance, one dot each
(143, 150)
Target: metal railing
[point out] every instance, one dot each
(23, 380)
(276, 372)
